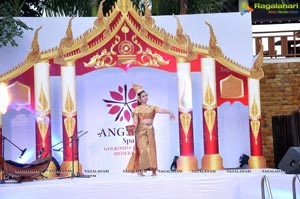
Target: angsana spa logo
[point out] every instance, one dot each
(120, 105)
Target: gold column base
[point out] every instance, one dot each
(257, 162)
(51, 171)
(187, 163)
(66, 169)
(2, 173)
(212, 162)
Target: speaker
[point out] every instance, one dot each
(290, 163)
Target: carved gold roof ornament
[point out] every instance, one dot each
(213, 50)
(34, 55)
(149, 21)
(59, 59)
(103, 60)
(135, 21)
(139, 45)
(107, 30)
(67, 41)
(124, 6)
(256, 71)
(100, 17)
(149, 58)
(180, 37)
(166, 44)
(144, 32)
(84, 46)
(191, 55)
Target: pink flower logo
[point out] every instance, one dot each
(122, 102)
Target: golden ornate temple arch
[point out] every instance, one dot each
(125, 39)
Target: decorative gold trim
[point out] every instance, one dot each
(256, 71)
(255, 126)
(232, 87)
(185, 120)
(125, 6)
(70, 124)
(213, 50)
(149, 58)
(69, 104)
(254, 109)
(103, 60)
(43, 125)
(34, 55)
(209, 97)
(210, 118)
(43, 104)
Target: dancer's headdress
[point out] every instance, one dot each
(137, 88)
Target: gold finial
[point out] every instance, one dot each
(84, 46)
(256, 71)
(213, 50)
(149, 21)
(100, 19)
(190, 54)
(34, 55)
(68, 41)
(137, 88)
(166, 44)
(180, 38)
(59, 59)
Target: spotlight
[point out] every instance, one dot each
(244, 161)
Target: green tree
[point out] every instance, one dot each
(10, 27)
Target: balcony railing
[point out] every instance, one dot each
(278, 43)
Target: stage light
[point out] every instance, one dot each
(4, 100)
(244, 161)
(174, 164)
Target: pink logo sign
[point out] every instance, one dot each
(121, 103)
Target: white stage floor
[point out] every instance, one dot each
(228, 184)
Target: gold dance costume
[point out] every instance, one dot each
(144, 156)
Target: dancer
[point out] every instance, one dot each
(144, 157)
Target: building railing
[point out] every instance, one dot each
(278, 43)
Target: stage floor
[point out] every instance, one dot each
(228, 184)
